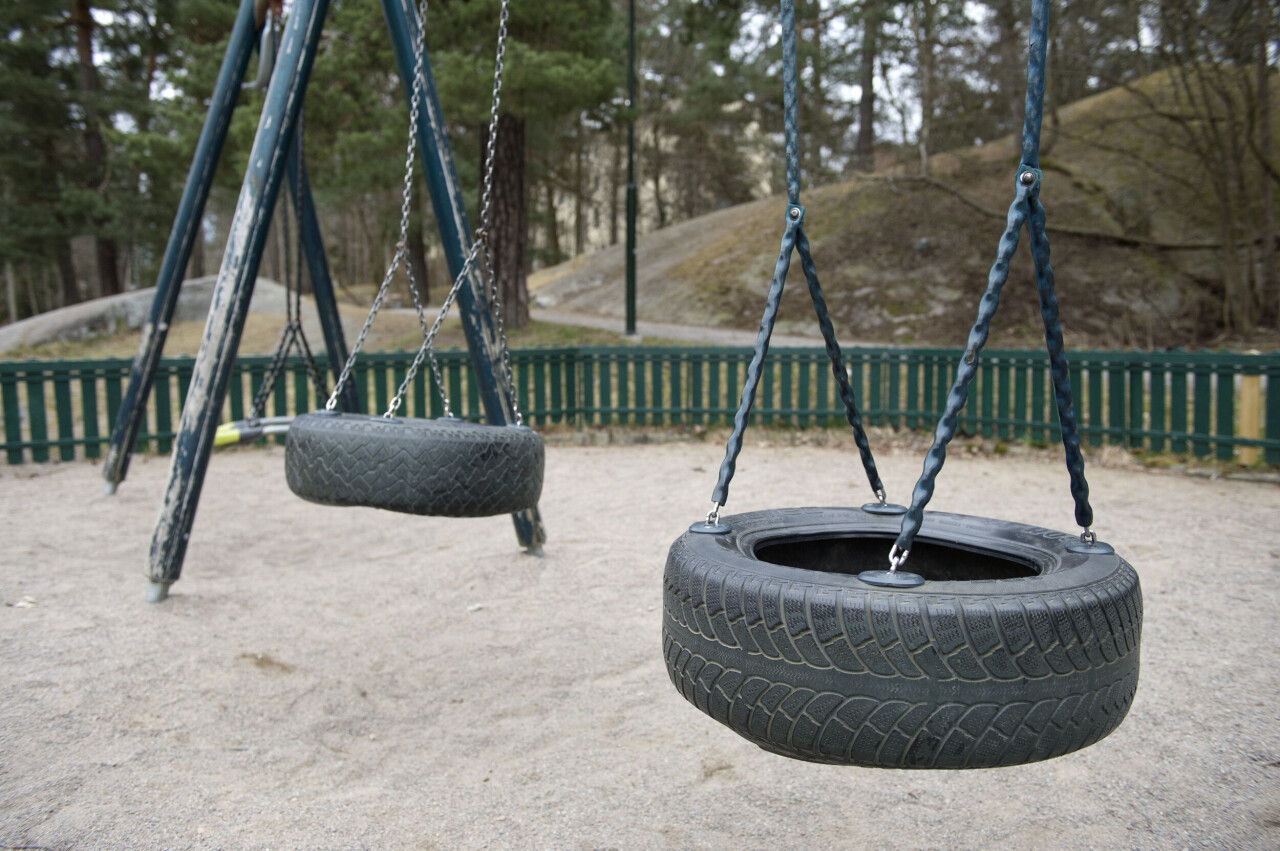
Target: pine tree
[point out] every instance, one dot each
(37, 147)
(561, 61)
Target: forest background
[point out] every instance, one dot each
(101, 102)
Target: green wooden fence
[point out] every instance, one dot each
(1219, 405)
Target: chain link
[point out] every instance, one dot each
(486, 218)
(405, 206)
(431, 352)
(293, 333)
(480, 250)
(480, 242)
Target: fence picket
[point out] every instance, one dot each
(89, 412)
(36, 418)
(1157, 427)
(62, 405)
(12, 419)
(1203, 405)
(1225, 384)
(164, 411)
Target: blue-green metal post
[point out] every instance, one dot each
(182, 238)
(631, 167)
(232, 292)
(455, 235)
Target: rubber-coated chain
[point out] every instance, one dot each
(793, 238)
(1058, 368)
(790, 108)
(1033, 111)
(968, 367)
(734, 446)
(1027, 209)
(837, 363)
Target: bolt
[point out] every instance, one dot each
(1027, 178)
(795, 212)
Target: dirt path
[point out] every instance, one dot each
(345, 678)
(672, 331)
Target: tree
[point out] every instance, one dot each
(561, 61)
(37, 148)
(95, 177)
(873, 13)
(1211, 105)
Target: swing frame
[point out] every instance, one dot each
(267, 166)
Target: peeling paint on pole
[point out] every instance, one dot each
(231, 294)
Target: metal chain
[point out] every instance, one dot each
(259, 406)
(420, 309)
(406, 198)
(304, 347)
(794, 240)
(1027, 210)
(293, 334)
(480, 242)
(486, 219)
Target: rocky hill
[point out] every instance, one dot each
(904, 259)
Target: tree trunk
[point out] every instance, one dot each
(1269, 282)
(864, 154)
(658, 202)
(553, 224)
(195, 266)
(814, 103)
(926, 40)
(615, 184)
(417, 247)
(509, 223)
(108, 266)
(1054, 96)
(67, 272)
(94, 149)
(1012, 64)
(10, 291)
(579, 192)
(33, 304)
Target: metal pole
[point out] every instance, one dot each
(182, 238)
(631, 167)
(212, 369)
(455, 235)
(335, 343)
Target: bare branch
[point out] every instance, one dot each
(1070, 230)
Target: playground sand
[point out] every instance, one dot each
(345, 678)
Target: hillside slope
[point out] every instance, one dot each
(905, 261)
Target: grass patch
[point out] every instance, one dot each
(391, 332)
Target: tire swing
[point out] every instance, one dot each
(1008, 644)
(447, 466)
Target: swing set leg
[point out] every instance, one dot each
(211, 371)
(182, 239)
(455, 235)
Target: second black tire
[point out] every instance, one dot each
(444, 467)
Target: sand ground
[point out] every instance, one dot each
(329, 678)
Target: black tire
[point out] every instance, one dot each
(449, 468)
(977, 667)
